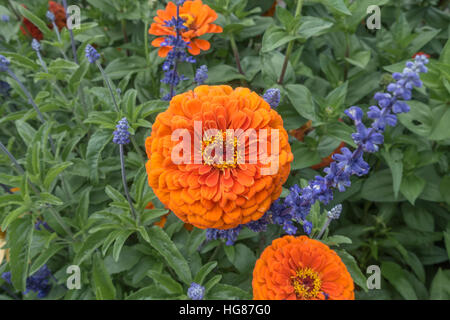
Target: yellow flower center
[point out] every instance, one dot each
(188, 19)
(306, 283)
(215, 148)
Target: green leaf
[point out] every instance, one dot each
(440, 287)
(411, 187)
(92, 242)
(302, 100)
(48, 34)
(275, 37)
(20, 60)
(120, 240)
(447, 241)
(336, 98)
(273, 62)
(164, 245)
(244, 259)
(397, 277)
(337, 5)
(26, 132)
(394, 161)
(419, 119)
(45, 256)
(50, 199)
(96, 144)
(19, 237)
(204, 271)
(304, 157)
(285, 16)
(360, 59)
(313, 27)
(13, 215)
(379, 186)
(53, 173)
(212, 282)
(417, 218)
(341, 131)
(83, 207)
(114, 194)
(223, 73)
(227, 292)
(170, 285)
(422, 38)
(78, 75)
(336, 240)
(102, 283)
(353, 269)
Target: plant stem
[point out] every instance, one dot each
(125, 35)
(347, 54)
(55, 27)
(147, 58)
(236, 54)
(290, 47)
(324, 227)
(108, 84)
(31, 101)
(72, 40)
(124, 181)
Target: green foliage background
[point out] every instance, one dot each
(397, 217)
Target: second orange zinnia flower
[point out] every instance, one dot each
(301, 269)
(198, 19)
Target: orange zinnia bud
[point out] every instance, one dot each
(301, 269)
(198, 17)
(202, 189)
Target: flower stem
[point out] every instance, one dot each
(108, 84)
(55, 27)
(236, 54)
(147, 58)
(124, 181)
(72, 40)
(324, 227)
(290, 47)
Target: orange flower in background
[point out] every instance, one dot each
(216, 195)
(421, 54)
(198, 17)
(60, 14)
(28, 28)
(300, 268)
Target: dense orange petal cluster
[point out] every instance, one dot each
(300, 268)
(208, 195)
(198, 17)
(59, 12)
(28, 28)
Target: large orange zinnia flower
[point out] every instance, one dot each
(198, 17)
(214, 195)
(301, 269)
